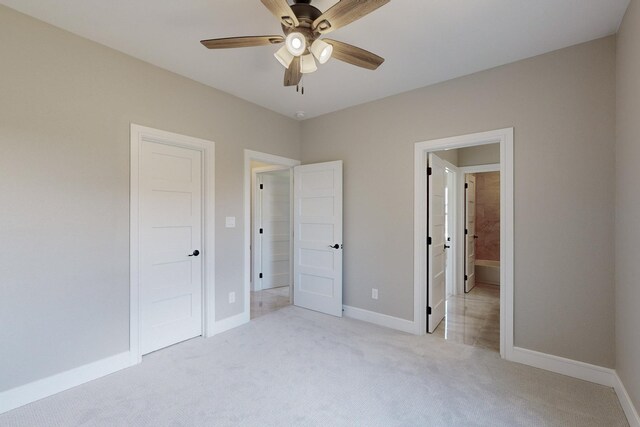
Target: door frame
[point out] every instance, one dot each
(505, 137)
(255, 211)
(250, 155)
(207, 148)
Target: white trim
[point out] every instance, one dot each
(505, 138)
(229, 323)
(36, 390)
(250, 155)
(379, 319)
(583, 371)
(625, 400)
(560, 365)
(138, 134)
(495, 167)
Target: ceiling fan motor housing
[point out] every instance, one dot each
(306, 14)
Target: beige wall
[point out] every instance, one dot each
(481, 155)
(628, 204)
(560, 104)
(65, 108)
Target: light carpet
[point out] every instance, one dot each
(297, 367)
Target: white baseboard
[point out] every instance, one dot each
(379, 319)
(36, 390)
(584, 371)
(560, 365)
(229, 323)
(625, 400)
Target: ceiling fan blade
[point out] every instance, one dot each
(282, 11)
(354, 55)
(292, 75)
(345, 12)
(249, 41)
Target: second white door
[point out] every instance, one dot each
(470, 233)
(436, 286)
(318, 237)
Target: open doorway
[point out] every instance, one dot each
(311, 270)
(268, 236)
(271, 238)
(471, 312)
(464, 272)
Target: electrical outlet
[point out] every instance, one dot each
(232, 297)
(374, 293)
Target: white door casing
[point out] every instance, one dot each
(470, 232)
(272, 229)
(318, 237)
(170, 227)
(436, 285)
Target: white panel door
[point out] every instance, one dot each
(273, 229)
(436, 263)
(318, 237)
(170, 233)
(470, 233)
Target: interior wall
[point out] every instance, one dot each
(66, 105)
(488, 216)
(488, 154)
(628, 203)
(560, 104)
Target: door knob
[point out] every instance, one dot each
(447, 246)
(336, 246)
(195, 253)
(475, 237)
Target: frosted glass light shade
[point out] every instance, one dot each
(308, 64)
(296, 44)
(284, 56)
(321, 50)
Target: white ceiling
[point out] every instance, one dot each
(423, 41)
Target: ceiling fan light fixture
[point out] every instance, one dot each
(322, 51)
(284, 56)
(296, 43)
(308, 64)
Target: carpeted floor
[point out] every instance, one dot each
(297, 367)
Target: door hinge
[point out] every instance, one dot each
(428, 311)
(429, 171)
(428, 240)
(261, 275)
(261, 187)
(466, 231)
(261, 231)
(466, 277)
(466, 185)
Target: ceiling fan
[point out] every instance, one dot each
(303, 24)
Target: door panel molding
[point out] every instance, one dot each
(140, 134)
(317, 220)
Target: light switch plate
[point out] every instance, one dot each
(232, 297)
(230, 222)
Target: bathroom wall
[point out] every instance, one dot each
(488, 216)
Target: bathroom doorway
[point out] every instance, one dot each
(465, 193)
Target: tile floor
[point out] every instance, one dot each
(269, 300)
(473, 318)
